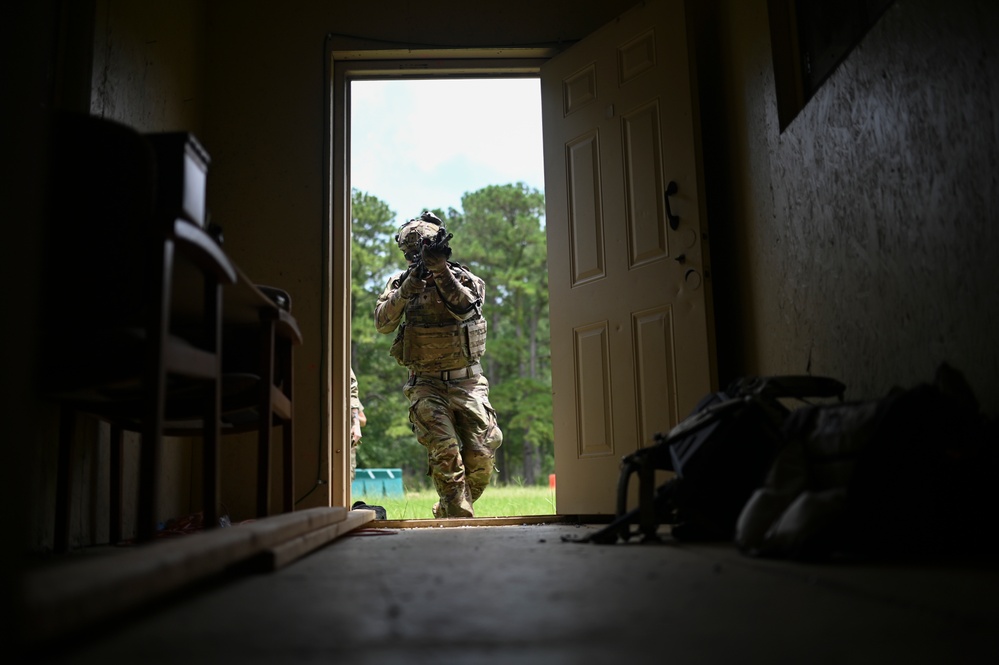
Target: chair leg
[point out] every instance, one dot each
(288, 440)
(116, 470)
(154, 384)
(266, 414)
(67, 422)
(288, 434)
(150, 461)
(213, 407)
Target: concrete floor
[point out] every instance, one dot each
(520, 594)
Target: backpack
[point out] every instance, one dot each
(719, 454)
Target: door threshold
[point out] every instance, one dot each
(489, 521)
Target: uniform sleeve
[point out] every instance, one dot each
(390, 306)
(461, 291)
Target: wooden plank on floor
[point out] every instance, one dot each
(281, 555)
(72, 594)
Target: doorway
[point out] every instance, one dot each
(470, 150)
(348, 68)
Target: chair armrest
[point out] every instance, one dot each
(287, 326)
(245, 305)
(203, 251)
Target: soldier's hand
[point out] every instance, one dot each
(412, 285)
(434, 258)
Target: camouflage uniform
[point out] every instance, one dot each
(355, 428)
(440, 342)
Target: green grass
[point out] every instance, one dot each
(506, 501)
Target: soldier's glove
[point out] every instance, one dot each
(435, 257)
(412, 285)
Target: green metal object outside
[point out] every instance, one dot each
(375, 483)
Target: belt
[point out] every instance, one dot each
(452, 374)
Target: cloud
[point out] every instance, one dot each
(424, 143)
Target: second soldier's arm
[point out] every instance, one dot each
(356, 409)
(461, 291)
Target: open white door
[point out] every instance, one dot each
(631, 325)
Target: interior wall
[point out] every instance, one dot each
(149, 64)
(859, 243)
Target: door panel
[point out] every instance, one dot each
(596, 412)
(632, 348)
(586, 224)
(643, 177)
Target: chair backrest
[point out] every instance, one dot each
(102, 195)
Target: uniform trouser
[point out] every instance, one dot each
(456, 423)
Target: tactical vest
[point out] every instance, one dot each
(431, 339)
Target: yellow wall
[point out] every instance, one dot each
(149, 64)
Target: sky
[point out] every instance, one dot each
(419, 144)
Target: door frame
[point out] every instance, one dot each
(342, 66)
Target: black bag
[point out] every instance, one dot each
(719, 454)
(380, 513)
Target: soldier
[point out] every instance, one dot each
(440, 342)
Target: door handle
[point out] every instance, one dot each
(674, 220)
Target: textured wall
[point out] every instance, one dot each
(862, 241)
(149, 64)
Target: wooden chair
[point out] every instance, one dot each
(263, 346)
(259, 336)
(115, 342)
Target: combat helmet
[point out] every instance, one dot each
(413, 233)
